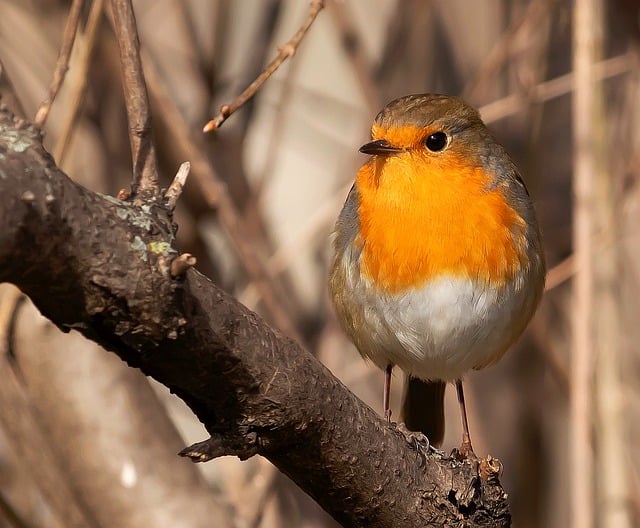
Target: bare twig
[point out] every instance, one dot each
(611, 466)
(565, 269)
(11, 514)
(553, 88)
(62, 65)
(188, 32)
(548, 351)
(319, 222)
(560, 273)
(175, 189)
(20, 420)
(216, 196)
(269, 480)
(285, 51)
(275, 136)
(352, 46)
(280, 260)
(79, 81)
(581, 463)
(144, 186)
(506, 46)
(8, 94)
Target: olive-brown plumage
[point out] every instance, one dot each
(438, 263)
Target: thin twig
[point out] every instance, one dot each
(548, 351)
(565, 269)
(351, 44)
(285, 51)
(320, 221)
(8, 94)
(144, 186)
(280, 260)
(62, 64)
(10, 514)
(506, 46)
(188, 33)
(581, 455)
(79, 79)
(175, 189)
(560, 273)
(275, 136)
(217, 197)
(610, 416)
(556, 87)
(262, 491)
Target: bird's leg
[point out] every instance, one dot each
(386, 391)
(465, 449)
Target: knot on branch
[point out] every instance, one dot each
(181, 264)
(242, 445)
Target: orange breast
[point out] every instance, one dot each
(425, 216)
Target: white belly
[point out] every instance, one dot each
(441, 330)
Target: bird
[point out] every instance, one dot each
(438, 263)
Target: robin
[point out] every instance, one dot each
(438, 263)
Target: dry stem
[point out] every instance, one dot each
(216, 196)
(79, 81)
(175, 189)
(556, 87)
(581, 463)
(285, 51)
(62, 64)
(145, 172)
(506, 46)
(343, 21)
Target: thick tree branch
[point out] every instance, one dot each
(102, 266)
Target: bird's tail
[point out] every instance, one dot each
(423, 408)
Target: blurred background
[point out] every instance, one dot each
(86, 441)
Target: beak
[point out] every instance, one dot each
(380, 147)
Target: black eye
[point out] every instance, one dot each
(436, 141)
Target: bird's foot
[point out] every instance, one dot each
(465, 451)
(461, 454)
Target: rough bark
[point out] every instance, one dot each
(101, 266)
